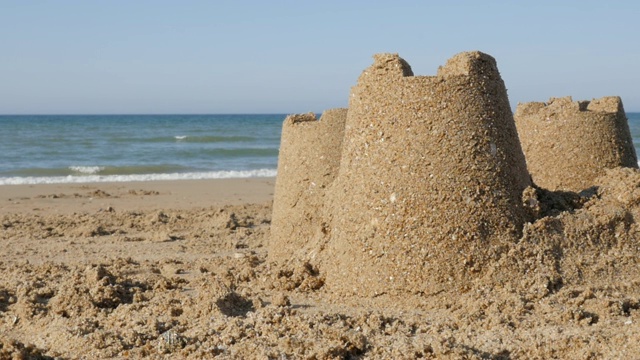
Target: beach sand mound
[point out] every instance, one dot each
(570, 143)
(590, 245)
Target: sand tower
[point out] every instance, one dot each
(430, 180)
(568, 144)
(307, 164)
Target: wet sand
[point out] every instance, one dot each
(183, 194)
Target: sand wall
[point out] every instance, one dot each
(570, 143)
(308, 162)
(430, 181)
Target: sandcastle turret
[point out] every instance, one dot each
(308, 162)
(430, 180)
(568, 143)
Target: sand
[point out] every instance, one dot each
(569, 143)
(178, 270)
(431, 174)
(419, 234)
(308, 162)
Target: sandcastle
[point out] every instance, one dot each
(308, 163)
(569, 143)
(429, 184)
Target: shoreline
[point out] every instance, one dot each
(134, 195)
(92, 177)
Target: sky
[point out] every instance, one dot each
(250, 56)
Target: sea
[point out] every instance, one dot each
(49, 149)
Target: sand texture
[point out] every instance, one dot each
(308, 163)
(405, 227)
(570, 143)
(161, 282)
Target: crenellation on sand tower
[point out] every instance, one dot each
(529, 108)
(472, 63)
(300, 118)
(307, 164)
(607, 104)
(388, 65)
(568, 144)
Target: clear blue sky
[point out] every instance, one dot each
(155, 56)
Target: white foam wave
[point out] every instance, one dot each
(180, 137)
(87, 169)
(232, 174)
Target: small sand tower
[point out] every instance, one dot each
(430, 181)
(568, 144)
(307, 164)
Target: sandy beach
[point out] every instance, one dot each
(319, 180)
(178, 270)
(183, 194)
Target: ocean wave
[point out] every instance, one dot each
(211, 139)
(226, 153)
(90, 170)
(204, 139)
(227, 174)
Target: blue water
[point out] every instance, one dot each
(94, 148)
(90, 148)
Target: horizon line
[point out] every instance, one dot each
(152, 114)
(194, 114)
